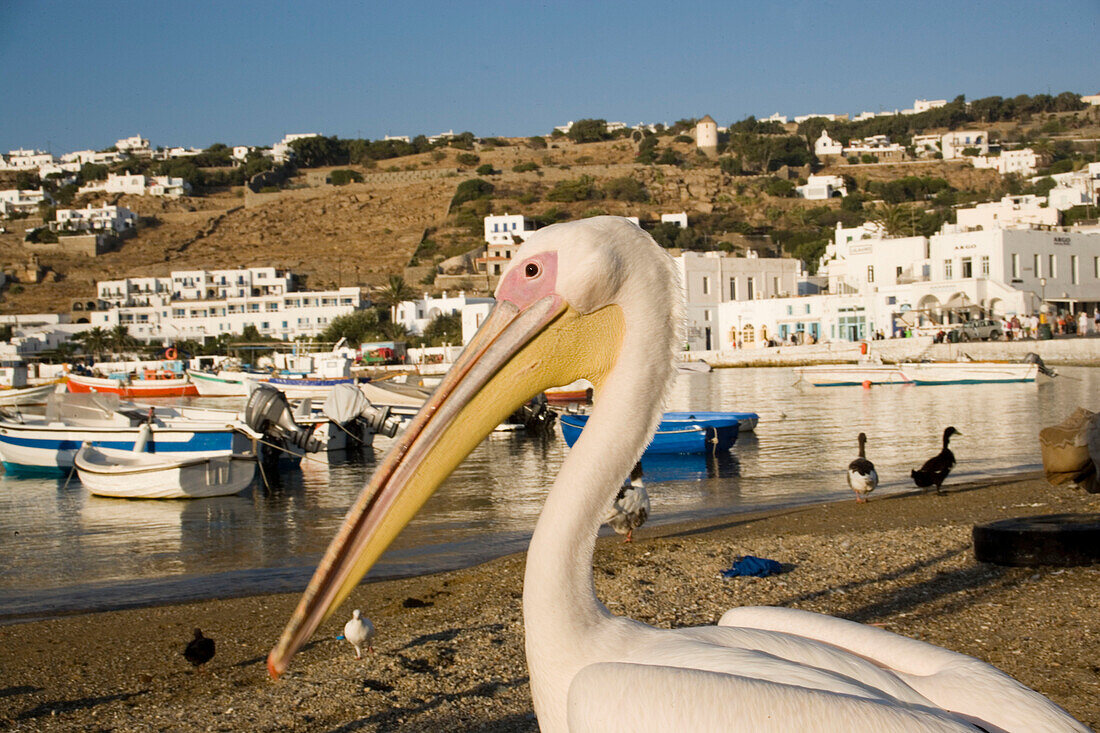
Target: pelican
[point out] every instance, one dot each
(599, 299)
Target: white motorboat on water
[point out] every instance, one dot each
(135, 474)
(223, 383)
(841, 375)
(30, 395)
(969, 372)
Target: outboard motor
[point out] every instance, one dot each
(268, 411)
(347, 403)
(1033, 358)
(379, 421)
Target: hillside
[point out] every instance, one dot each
(400, 215)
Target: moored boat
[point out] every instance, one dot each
(673, 436)
(969, 372)
(746, 421)
(842, 375)
(129, 474)
(578, 391)
(223, 383)
(34, 395)
(151, 384)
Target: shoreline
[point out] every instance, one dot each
(450, 645)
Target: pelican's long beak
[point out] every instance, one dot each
(516, 354)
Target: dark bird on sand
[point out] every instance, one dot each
(200, 650)
(631, 507)
(936, 468)
(862, 477)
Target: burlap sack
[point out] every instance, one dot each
(1065, 448)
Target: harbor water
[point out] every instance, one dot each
(64, 551)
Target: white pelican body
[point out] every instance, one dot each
(599, 299)
(359, 631)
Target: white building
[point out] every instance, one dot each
(282, 152)
(95, 219)
(25, 160)
(1023, 162)
(822, 187)
(415, 315)
(706, 135)
(781, 119)
(16, 201)
(926, 146)
(139, 185)
(825, 145)
(953, 143)
(1093, 99)
(679, 219)
(198, 304)
(396, 138)
(1010, 211)
(713, 278)
(923, 105)
(106, 157)
(1076, 188)
(507, 229)
(135, 145)
(887, 285)
(878, 146)
(831, 118)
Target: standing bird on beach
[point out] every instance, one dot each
(862, 477)
(935, 469)
(599, 299)
(359, 632)
(631, 506)
(199, 650)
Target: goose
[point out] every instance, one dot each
(631, 507)
(599, 299)
(935, 469)
(862, 477)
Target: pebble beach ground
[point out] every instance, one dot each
(449, 648)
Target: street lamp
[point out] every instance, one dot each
(1043, 297)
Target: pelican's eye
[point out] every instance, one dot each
(531, 270)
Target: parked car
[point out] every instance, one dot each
(980, 330)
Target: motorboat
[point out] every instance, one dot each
(135, 474)
(845, 375)
(30, 395)
(746, 420)
(969, 372)
(578, 391)
(49, 442)
(223, 383)
(708, 436)
(151, 383)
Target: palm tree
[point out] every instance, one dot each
(120, 339)
(94, 341)
(395, 292)
(893, 218)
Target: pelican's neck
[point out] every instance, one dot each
(560, 607)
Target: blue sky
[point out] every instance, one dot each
(83, 74)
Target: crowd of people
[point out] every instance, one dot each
(1061, 324)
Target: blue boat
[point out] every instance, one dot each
(711, 435)
(746, 420)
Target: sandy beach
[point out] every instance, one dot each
(449, 649)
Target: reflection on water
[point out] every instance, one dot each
(63, 549)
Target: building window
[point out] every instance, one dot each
(947, 274)
(985, 265)
(790, 310)
(870, 273)
(807, 307)
(1073, 269)
(750, 290)
(1015, 266)
(1096, 267)
(706, 286)
(1052, 266)
(775, 286)
(927, 249)
(706, 315)
(1035, 265)
(967, 267)
(733, 281)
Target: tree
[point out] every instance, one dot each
(626, 189)
(396, 291)
(357, 327)
(577, 189)
(444, 328)
(94, 341)
(119, 339)
(474, 188)
(588, 131)
(485, 169)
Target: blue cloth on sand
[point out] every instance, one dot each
(759, 567)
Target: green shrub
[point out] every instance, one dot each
(626, 189)
(524, 167)
(485, 169)
(577, 189)
(344, 176)
(474, 188)
(683, 139)
(780, 188)
(536, 143)
(467, 159)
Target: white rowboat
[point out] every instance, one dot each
(131, 475)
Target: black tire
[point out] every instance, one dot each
(1049, 539)
(994, 336)
(964, 337)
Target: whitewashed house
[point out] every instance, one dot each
(106, 157)
(878, 146)
(282, 152)
(504, 233)
(1076, 188)
(822, 187)
(25, 160)
(17, 201)
(954, 143)
(923, 105)
(679, 219)
(926, 146)
(135, 145)
(1023, 162)
(1010, 211)
(95, 219)
(415, 315)
(826, 146)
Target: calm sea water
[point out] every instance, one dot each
(62, 550)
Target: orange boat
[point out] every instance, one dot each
(153, 384)
(578, 391)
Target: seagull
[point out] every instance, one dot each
(935, 469)
(631, 507)
(199, 650)
(862, 477)
(599, 299)
(359, 631)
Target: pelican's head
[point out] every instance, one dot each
(564, 308)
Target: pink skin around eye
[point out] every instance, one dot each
(522, 290)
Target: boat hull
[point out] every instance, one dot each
(672, 436)
(129, 475)
(27, 395)
(42, 448)
(849, 375)
(136, 388)
(933, 373)
(222, 384)
(746, 421)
